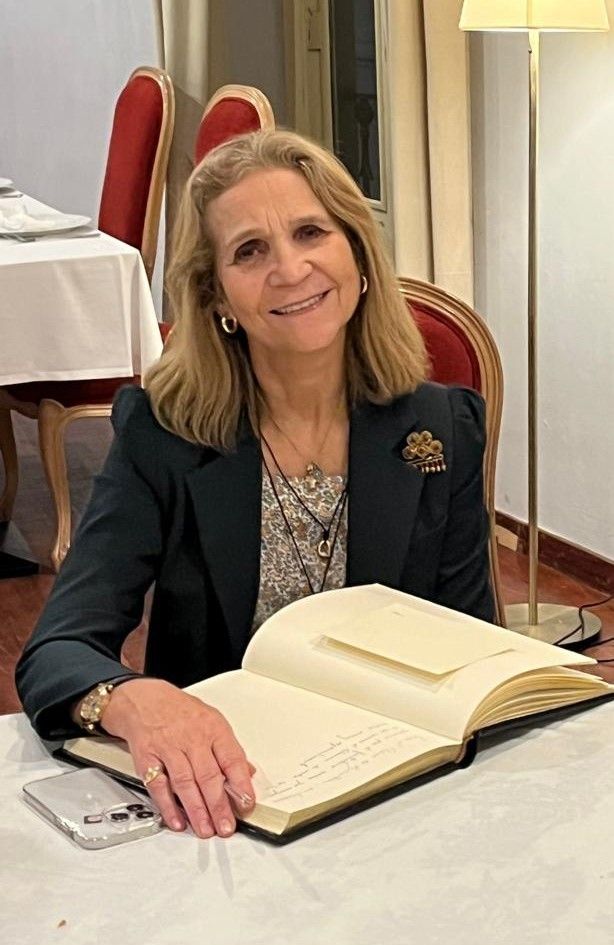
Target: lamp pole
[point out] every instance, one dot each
(554, 623)
(532, 322)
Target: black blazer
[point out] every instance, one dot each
(188, 518)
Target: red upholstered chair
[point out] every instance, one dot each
(130, 211)
(462, 351)
(232, 110)
(135, 176)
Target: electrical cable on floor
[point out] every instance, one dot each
(581, 627)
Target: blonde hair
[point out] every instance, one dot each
(204, 384)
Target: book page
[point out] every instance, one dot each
(394, 633)
(292, 646)
(307, 749)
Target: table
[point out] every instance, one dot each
(73, 309)
(518, 848)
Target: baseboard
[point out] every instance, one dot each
(556, 552)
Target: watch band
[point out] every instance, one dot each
(93, 705)
(95, 701)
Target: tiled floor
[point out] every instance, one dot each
(21, 599)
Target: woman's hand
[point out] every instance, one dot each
(196, 748)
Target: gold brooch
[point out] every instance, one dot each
(424, 453)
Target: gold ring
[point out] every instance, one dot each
(152, 773)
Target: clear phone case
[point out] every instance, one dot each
(92, 809)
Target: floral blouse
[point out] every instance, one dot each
(282, 571)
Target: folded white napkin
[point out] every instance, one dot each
(14, 219)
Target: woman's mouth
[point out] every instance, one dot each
(304, 305)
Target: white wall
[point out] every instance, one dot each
(576, 316)
(62, 66)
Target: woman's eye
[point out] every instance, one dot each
(310, 231)
(249, 250)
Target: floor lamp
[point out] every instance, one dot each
(550, 622)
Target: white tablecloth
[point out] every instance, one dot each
(518, 849)
(74, 309)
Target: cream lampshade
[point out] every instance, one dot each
(554, 623)
(573, 15)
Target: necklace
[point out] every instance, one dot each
(313, 471)
(338, 507)
(325, 546)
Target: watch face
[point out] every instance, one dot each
(93, 705)
(91, 712)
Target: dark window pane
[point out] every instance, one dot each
(354, 91)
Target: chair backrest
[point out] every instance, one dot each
(463, 351)
(137, 160)
(232, 110)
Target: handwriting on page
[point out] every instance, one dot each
(341, 756)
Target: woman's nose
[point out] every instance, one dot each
(290, 265)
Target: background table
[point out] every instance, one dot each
(73, 309)
(518, 848)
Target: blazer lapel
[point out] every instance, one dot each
(226, 493)
(383, 501)
(383, 493)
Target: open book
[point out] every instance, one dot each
(351, 692)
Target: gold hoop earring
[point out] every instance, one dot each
(229, 324)
(364, 284)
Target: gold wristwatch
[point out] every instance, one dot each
(93, 705)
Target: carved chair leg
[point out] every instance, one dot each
(11, 469)
(495, 576)
(52, 418)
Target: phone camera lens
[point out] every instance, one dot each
(144, 814)
(119, 815)
(135, 807)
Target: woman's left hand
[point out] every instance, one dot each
(191, 751)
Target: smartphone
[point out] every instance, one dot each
(92, 809)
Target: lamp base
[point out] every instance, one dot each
(555, 622)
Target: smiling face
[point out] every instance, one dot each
(285, 266)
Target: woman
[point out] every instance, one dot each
(267, 459)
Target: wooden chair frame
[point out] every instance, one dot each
(247, 93)
(9, 458)
(53, 417)
(151, 226)
(482, 342)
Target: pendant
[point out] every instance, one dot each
(313, 475)
(324, 549)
